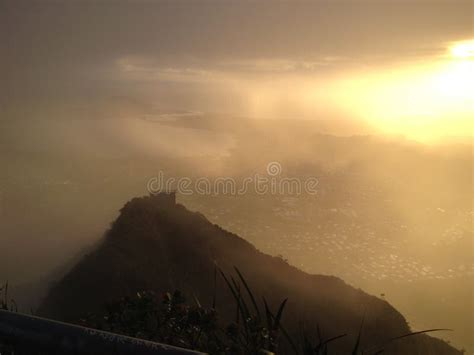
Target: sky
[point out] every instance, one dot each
(387, 63)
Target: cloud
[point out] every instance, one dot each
(206, 55)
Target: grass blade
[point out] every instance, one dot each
(214, 296)
(279, 314)
(357, 345)
(405, 336)
(252, 298)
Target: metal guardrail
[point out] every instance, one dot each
(63, 338)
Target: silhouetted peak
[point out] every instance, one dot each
(157, 216)
(164, 198)
(153, 202)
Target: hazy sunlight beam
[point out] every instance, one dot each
(463, 49)
(420, 101)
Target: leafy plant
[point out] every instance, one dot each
(169, 319)
(4, 297)
(257, 329)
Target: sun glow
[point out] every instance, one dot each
(463, 49)
(420, 101)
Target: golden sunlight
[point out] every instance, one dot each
(463, 49)
(427, 100)
(420, 101)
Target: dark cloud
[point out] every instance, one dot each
(51, 35)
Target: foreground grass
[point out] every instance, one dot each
(256, 329)
(169, 318)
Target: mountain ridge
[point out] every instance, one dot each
(157, 244)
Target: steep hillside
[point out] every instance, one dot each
(156, 244)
